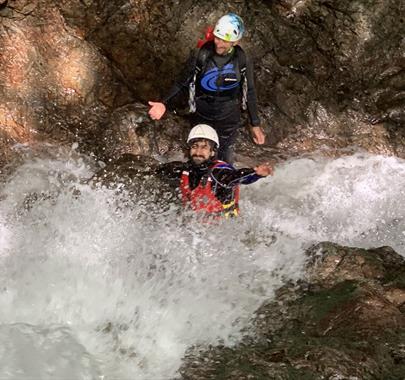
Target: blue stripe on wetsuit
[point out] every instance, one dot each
(244, 180)
(209, 81)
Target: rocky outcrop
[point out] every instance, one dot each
(130, 130)
(345, 321)
(330, 75)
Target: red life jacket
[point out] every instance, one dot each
(203, 198)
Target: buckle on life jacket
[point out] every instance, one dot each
(205, 179)
(230, 209)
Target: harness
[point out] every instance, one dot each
(203, 197)
(204, 53)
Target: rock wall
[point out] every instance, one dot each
(346, 321)
(330, 74)
(55, 87)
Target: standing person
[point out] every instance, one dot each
(220, 82)
(207, 185)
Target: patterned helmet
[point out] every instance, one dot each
(229, 28)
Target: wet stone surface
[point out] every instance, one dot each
(340, 323)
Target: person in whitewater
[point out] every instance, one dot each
(220, 82)
(208, 185)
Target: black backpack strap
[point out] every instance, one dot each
(241, 56)
(204, 53)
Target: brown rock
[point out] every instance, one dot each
(344, 322)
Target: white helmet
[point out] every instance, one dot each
(203, 131)
(229, 28)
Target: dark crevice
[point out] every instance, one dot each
(3, 5)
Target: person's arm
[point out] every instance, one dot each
(227, 176)
(255, 128)
(170, 171)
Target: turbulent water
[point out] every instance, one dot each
(95, 286)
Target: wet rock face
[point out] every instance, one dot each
(54, 85)
(330, 75)
(347, 320)
(130, 130)
(329, 62)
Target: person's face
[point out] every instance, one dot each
(222, 47)
(201, 151)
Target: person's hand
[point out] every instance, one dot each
(264, 169)
(157, 110)
(258, 135)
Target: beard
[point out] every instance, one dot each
(198, 160)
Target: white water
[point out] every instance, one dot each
(92, 290)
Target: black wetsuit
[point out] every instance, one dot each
(226, 176)
(218, 95)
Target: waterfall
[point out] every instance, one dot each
(95, 285)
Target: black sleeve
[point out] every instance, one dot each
(251, 94)
(229, 177)
(183, 80)
(170, 171)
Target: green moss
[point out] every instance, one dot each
(300, 374)
(396, 278)
(318, 305)
(245, 365)
(238, 361)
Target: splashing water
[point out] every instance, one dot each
(93, 287)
